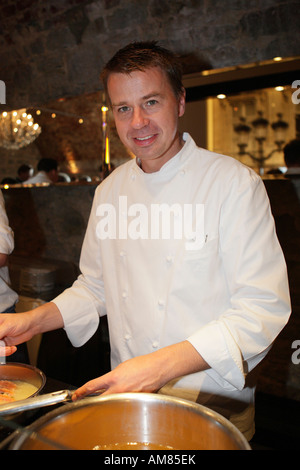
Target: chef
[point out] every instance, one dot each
(180, 252)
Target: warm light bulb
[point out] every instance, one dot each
(4, 114)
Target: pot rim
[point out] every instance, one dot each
(64, 408)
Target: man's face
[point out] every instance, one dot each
(53, 175)
(146, 113)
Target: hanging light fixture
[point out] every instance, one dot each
(17, 129)
(279, 127)
(260, 129)
(243, 131)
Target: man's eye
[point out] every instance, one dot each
(151, 103)
(123, 109)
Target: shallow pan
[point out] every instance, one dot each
(16, 371)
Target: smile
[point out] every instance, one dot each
(141, 141)
(144, 138)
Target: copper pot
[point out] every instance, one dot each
(131, 421)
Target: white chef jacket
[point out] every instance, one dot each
(229, 296)
(8, 297)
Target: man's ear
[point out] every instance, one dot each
(181, 103)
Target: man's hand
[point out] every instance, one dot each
(6, 350)
(146, 373)
(17, 328)
(134, 375)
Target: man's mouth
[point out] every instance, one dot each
(144, 138)
(141, 141)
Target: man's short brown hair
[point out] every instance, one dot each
(139, 56)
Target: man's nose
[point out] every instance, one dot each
(139, 118)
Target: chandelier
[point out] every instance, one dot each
(259, 128)
(17, 129)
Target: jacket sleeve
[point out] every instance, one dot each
(256, 274)
(6, 233)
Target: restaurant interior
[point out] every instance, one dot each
(241, 68)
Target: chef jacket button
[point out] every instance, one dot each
(169, 259)
(182, 172)
(122, 254)
(124, 294)
(161, 303)
(133, 176)
(127, 337)
(154, 344)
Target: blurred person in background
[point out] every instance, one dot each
(24, 173)
(292, 160)
(47, 172)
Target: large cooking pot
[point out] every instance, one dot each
(131, 421)
(23, 372)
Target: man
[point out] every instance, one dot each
(47, 172)
(8, 297)
(24, 173)
(180, 252)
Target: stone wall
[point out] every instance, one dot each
(57, 48)
(51, 54)
(49, 224)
